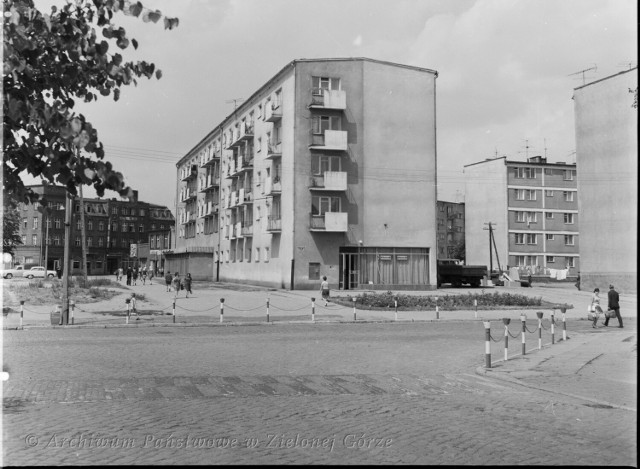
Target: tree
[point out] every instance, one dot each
(458, 250)
(10, 224)
(51, 61)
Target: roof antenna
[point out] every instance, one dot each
(594, 69)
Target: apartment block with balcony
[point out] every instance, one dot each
(327, 169)
(450, 230)
(533, 208)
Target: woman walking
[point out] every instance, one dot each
(176, 283)
(596, 309)
(186, 284)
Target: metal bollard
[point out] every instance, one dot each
(267, 309)
(523, 318)
(354, 309)
(21, 312)
(313, 309)
(221, 308)
(564, 323)
(396, 302)
(59, 311)
(475, 305)
(133, 304)
(128, 301)
(506, 322)
(173, 311)
(553, 323)
(438, 312)
(72, 304)
(487, 343)
(539, 314)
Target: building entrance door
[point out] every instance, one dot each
(349, 271)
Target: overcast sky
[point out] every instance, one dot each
(504, 72)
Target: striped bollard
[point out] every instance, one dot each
(506, 322)
(313, 310)
(487, 343)
(173, 310)
(354, 309)
(475, 305)
(267, 309)
(523, 318)
(21, 312)
(564, 323)
(133, 304)
(59, 311)
(221, 309)
(395, 300)
(438, 312)
(539, 314)
(72, 304)
(553, 323)
(128, 301)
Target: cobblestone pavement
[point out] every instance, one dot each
(393, 393)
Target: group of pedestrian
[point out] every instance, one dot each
(132, 275)
(613, 300)
(178, 283)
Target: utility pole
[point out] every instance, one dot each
(46, 241)
(492, 244)
(66, 258)
(83, 235)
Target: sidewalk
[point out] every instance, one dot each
(599, 367)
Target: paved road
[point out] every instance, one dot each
(395, 393)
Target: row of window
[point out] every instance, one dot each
(531, 194)
(57, 223)
(57, 240)
(532, 261)
(532, 238)
(530, 173)
(532, 217)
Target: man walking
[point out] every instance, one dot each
(614, 304)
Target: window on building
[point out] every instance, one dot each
(550, 259)
(34, 239)
(569, 174)
(77, 208)
(56, 240)
(568, 196)
(140, 228)
(76, 264)
(257, 254)
(519, 238)
(521, 217)
(319, 84)
(35, 223)
(266, 254)
(124, 228)
(89, 241)
(24, 223)
(77, 240)
(100, 241)
(323, 163)
(101, 226)
(568, 218)
(98, 265)
(24, 239)
(322, 123)
(570, 262)
(132, 228)
(114, 210)
(142, 212)
(532, 217)
(548, 215)
(322, 204)
(57, 223)
(569, 240)
(314, 271)
(124, 211)
(90, 225)
(519, 194)
(548, 171)
(530, 194)
(525, 173)
(532, 238)
(548, 193)
(549, 237)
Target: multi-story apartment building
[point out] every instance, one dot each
(450, 229)
(328, 169)
(111, 227)
(606, 117)
(533, 209)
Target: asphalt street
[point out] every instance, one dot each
(333, 393)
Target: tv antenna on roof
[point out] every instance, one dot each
(594, 69)
(627, 65)
(235, 102)
(526, 148)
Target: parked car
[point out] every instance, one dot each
(13, 272)
(39, 272)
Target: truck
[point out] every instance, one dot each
(454, 272)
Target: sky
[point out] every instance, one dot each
(506, 72)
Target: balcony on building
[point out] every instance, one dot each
(208, 182)
(247, 230)
(329, 181)
(233, 199)
(244, 132)
(328, 99)
(274, 223)
(329, 140)
(274, 150)
(209, 157)
(273, 112)
(188, 172)
(334, 222)
(245, 196)
(237, 230)
(188, 218)
(227, 231)
(187, 193)
(240, 166)
(272, 185)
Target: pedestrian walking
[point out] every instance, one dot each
(168, 279)
(120, 272)
(176, 283)
(129, 275)
(186, 284)
(595, 307)
(143, 276)
(578, 282)
(324, 290)
(614, 304)
(150, 276)
(135, 275)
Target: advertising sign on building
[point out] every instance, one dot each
(133, 250)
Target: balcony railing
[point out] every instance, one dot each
(247, 196)
(188, 172)
(334, 222)
(244, 132)
(330, 140)
(272, 185)
(330, 181)
(274, 150)
(328, 99)
(247, 230)
(273, 112)
(274, 223)
(209, 157)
